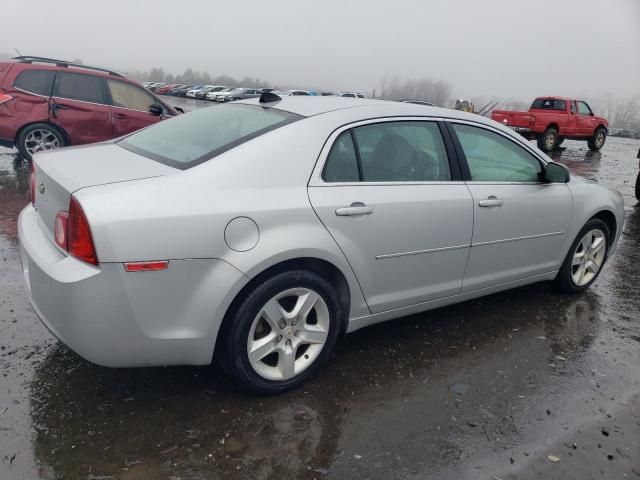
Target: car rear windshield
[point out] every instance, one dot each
(549, 104)
(190, 139)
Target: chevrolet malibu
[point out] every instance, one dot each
(258, 232)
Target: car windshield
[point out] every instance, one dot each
(188, 140)
(549, 104)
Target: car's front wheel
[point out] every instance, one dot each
(281, 332)
(39, 137)
(597, 141)
(585, 259)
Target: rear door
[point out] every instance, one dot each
(520, 221)
(398, 210)
(130, 107)
(79, 106)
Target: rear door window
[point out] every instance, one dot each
(78, 86)
(35, 81)
(405, 151)
(342, 162)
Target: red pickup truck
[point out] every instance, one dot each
(552, 119)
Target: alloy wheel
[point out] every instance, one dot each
(288, 334)
(40, 140)
(588, 257)
(599, 139)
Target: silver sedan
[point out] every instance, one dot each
(257, 232)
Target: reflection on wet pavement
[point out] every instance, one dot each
(485, 389)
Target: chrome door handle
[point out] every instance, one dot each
(353, 210)
(490, 202)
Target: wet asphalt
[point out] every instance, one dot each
(495, 388)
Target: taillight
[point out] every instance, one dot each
(32, 180)
(79, 239)
(4, 98)
(60, 229)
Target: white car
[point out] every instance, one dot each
(212, 95)
(350, 94)
(261, 230)
(293, 93)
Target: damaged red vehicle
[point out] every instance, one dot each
(47, 104)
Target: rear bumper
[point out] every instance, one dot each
(119, 319)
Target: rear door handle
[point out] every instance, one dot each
(354, 209)
(490, 202)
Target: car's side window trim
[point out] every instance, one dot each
(465, 164)
(356, 148)
(317, 177)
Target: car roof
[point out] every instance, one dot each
(308, 106)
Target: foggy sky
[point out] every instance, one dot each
(505, 48)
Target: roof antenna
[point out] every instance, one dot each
(19, 54)
(268, 97)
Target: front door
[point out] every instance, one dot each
(586, 120)
(78, 105)
(520, 221)
(388, 198)
(130, 107)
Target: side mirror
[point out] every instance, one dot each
(556, 173)
(178, 109)
(155, 110)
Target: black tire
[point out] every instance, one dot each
(548, 141)
(560, 141)
(597, 141)
(638, 187)
(237, 327)
(564, 280)
(21, 141)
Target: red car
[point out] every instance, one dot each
(552, 119)
(164, 90)
(47, 104)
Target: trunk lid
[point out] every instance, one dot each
(60, 173)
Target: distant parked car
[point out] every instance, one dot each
(166, 88)
(212, 96)
(70, 104)
(294, 93)
(257, 234)
(552, 119)
(202, 94)
(350, 94)
(238, 94)
(201, 88)
(180, 91)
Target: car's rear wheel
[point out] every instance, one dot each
(282, 332)
(548, 141)
(585, 259)
(39, 137)
(597, 141)
(560, 141)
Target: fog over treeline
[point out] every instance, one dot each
(622, 112)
